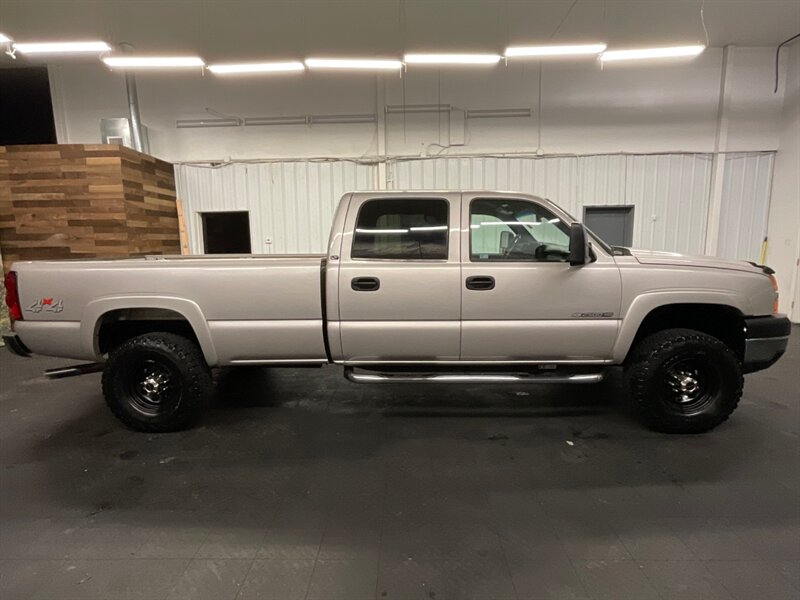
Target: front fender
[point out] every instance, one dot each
(92, 313)
(645, 303)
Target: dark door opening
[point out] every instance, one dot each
(613, 224)
(26, 107)
(226, 232)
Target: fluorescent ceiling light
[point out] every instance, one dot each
(644, 53)
(451, 59)
(544, 51)
(353, 63)
(265, 67)
(153, 62)
(61, 47)
(4, 39)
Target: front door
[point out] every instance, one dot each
(399, 279)
(521, 299)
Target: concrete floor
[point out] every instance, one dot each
(302, 485)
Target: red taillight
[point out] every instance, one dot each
(12, 297)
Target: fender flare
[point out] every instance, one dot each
(645, 303)
(94, 311)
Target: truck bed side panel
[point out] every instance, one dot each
(253, 309)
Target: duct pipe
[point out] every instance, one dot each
(134, 119)
(133, 111)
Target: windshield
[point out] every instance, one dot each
(609, 249)
(600, 242)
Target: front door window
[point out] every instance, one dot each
(516, 230)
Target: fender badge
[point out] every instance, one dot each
(592, 315)
(55, 305)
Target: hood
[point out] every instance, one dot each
(655, 257)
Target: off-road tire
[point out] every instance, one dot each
(150, 359)
(660, 394)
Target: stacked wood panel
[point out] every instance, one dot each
(85, 201)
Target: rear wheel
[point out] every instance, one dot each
(157, 382)
(683, 381)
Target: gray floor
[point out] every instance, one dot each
(301, 485)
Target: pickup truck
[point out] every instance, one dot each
(442, 287)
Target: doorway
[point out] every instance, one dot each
(26, 107)
(226, 232)
(613, 224)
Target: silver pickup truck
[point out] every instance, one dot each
(444, 287)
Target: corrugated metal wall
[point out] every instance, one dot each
(292, 203)
(746, 190)
(669, 192)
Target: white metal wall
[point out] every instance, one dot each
(292, 203)
(669, 192)
(746, 190)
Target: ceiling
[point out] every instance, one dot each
(237, 29)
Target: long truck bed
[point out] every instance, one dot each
(242, 308)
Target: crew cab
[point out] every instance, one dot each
(438, 286)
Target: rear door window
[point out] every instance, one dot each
(402, 229)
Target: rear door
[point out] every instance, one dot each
(399, 278)
(521, 299)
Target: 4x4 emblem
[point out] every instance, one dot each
(47, 304)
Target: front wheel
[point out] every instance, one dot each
(683, 381)
(157, 382)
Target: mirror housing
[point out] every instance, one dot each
(578, 246)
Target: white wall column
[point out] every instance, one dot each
(380, 126)
(783, 231)
(57, 98)
(720, 147)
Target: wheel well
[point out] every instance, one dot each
(118, 326)
(723, 322)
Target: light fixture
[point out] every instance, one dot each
(645, 53)
(498, 113)
(354, 63)
(265, 67)
(297, 120)
(452, 59)
(545, 51)
(190, 123)
(416, 108)
(153, 62)
(4, 39)
(61, 47)
(341, 119)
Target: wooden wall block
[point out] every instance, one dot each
(85, 201)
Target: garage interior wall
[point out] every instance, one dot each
(291, 203)
(638, 109)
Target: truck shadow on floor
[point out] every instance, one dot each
(325, 390)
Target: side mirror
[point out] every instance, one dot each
(578, 249)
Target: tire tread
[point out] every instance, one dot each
(640, 369)
(195, 396)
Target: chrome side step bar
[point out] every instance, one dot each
(74, 370)
(351, 375)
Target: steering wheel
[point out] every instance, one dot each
(523, 248)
